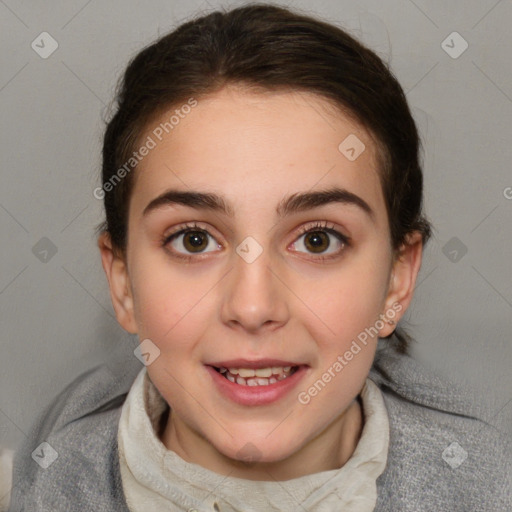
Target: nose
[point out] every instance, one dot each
(255, 296)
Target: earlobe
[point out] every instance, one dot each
(403, 280)
(116, 271)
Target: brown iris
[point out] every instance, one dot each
(314, 241)
(195, 241)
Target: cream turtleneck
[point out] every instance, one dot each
(157, 479)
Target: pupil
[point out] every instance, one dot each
(315, 240)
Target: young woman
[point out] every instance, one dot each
(263, 235)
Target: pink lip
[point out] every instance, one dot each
(247, 363)
(256, 395)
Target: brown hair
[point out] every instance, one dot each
(268, 48)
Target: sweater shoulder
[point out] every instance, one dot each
(73, 445)
(443, 449)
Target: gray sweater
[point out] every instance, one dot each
(443, 454)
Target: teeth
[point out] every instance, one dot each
(259, 372)
(244, 372)
(263, 372)
(256, 377)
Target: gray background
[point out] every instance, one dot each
(56, 316)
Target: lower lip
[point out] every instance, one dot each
(256, 395)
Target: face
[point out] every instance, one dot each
(252, 278)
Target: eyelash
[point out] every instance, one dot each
(317, 226)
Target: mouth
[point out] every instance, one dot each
(251, 383)
(263, 376)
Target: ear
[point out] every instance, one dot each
(404, 272)
(116, 270)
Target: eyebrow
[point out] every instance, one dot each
(294, 203)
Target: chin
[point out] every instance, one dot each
(253, 452)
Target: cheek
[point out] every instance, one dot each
(346, 301)
(167, 302)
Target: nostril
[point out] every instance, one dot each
(216, 507)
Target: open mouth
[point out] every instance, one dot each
(257, 376)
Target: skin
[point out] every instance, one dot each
(254, 149)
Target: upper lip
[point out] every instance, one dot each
(247, 363)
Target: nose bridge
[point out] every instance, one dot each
(254, 296)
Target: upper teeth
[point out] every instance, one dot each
(257, 372)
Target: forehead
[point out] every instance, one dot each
(254, 146)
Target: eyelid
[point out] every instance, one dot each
(330, 227)
(186, 226)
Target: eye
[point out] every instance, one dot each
(190, 240)
(321, 239)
